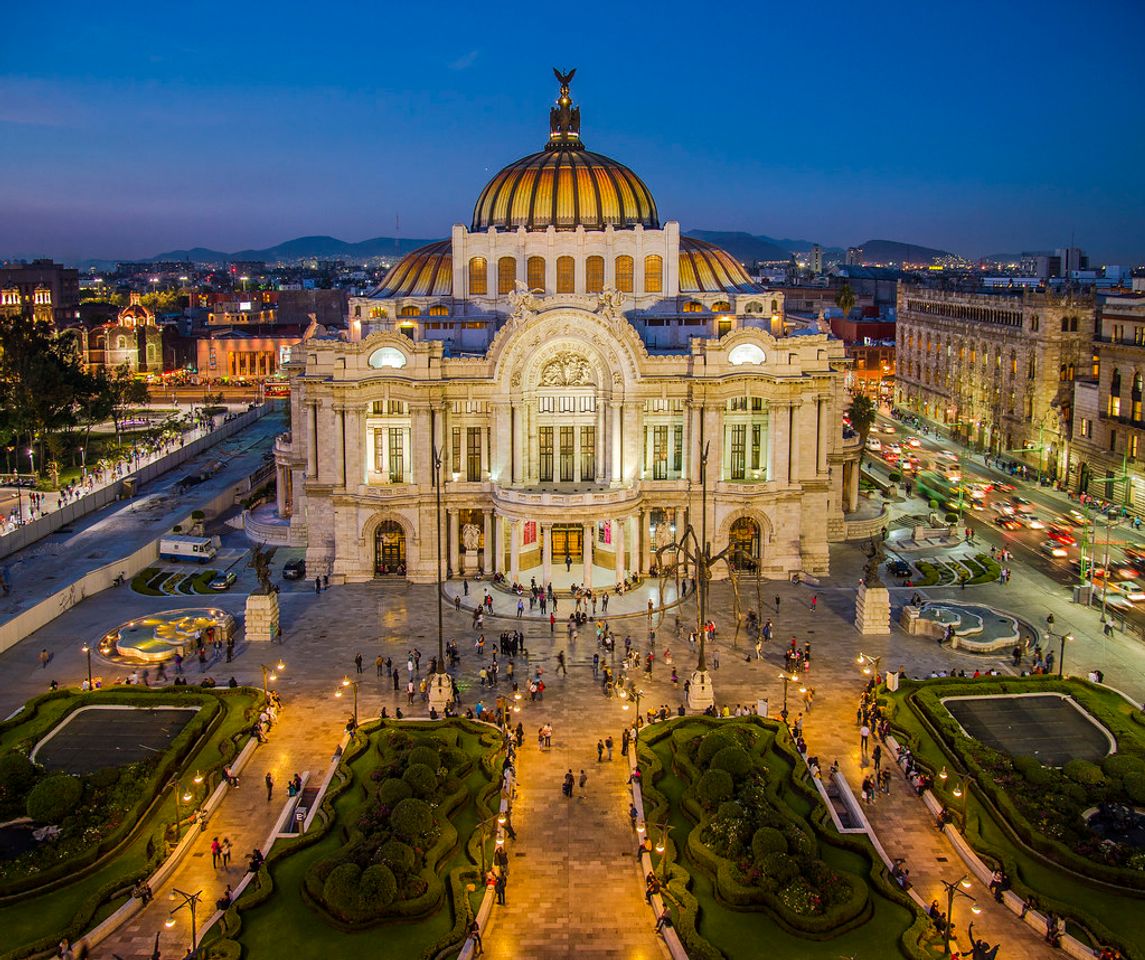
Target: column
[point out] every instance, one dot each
(793, 443)
(529, 439)
(514, 551)
(453, 545)
(779, 426)
(499, 546)
(601, 470)
(547, 554)
(280, 490)
(618, 546)
(490, 547)
(589, 543)
(518, 458)
(821, 428)
(692, 442)
(422, 442)
(355, 439)
(853, 492)
(312, 445)
(340, 444)
(615, 460)
(501, 441)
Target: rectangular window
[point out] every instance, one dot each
(379, 449)
(588, 453)
(1112, 441)
(739, 437)
(659, 453)
(1086, 428)
(545, 464)
(568, 453)
(1115, 406)
(397, 455)
(455, 451)
(678, 450)
(756, 453)
(1132, 445)
(1139, 335)
(473, 455)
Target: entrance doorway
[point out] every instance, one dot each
(568, 541)
(390, 550)
(744, 542)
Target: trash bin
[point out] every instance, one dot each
(127, 491)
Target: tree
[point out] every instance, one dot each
(845, 300)
(126, 391)
(862, 413)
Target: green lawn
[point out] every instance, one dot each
(35, 921)
(737, 933)
(267, 919)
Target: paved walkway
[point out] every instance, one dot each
(574, 882)
(299, 742)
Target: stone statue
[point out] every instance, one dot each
(875, 557)
(260, 560)
(524, 301)
(567, 370)
(610, 303)
(470, 537)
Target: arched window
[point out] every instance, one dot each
(594, 274)
(754, 307)
(506, 274)
(566, 275)
(653, 274)
(721, 306)
(439, 310)
(478, 276)
(693, 306)
(775, 306)
(410, 312)
(121, 343)
(624, 274)
(536, 273)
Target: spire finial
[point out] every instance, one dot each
(564, 118)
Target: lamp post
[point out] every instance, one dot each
(787, 679)
(181, 797)
(961, 793)
(637, 693)
(869, 664)
(954, 889)
(662, 850)
(191, 902)
(483, 826)
(32, 461)
(269, 675)
(1061, 653)
(347, 682)
(439, 685)
(86, 648)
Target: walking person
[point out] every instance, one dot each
(567, 786)
(864, 739)
(225, 852)
(583, 782)
(358, 662)
(269, 787)
(599, 751)
(608, 746)
(216, 852)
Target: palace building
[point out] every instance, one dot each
(578, 364)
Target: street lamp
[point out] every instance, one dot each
(483, 826)
(954, 889)
(661, 850)
(869, 664)
(191, 902)
(347, 682)
(787, 679)
(86, 648)
(637, 694)
(1061, 653)
(961, 793)
(32, 461)
(181, 796)
(439, 686)
(269, 675)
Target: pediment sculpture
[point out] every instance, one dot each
(567, 370)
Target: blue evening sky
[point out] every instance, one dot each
(130, 128)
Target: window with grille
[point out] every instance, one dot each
(566, 275)
(739, 436)
(567, 454)
(756, 452)
(653, 274)
(624, 274)
(545, 461)
(659, 453)
(379, 449)
(473, 454)
(588, 453)
(397, 455)
(455, 452)
(594, 274)
(536, 273)
(478, 276)
(506, 274)
(678, 450)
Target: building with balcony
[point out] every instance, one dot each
(585, 375)
(997, 368)
(42, 290)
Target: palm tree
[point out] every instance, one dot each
(862, 413)
(845, 300)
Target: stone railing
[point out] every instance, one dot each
(284, 443)
(866, 527)
(271, 534)
(555, 498)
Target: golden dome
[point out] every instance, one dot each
(565, 186)
(705, 268)
(424, 272)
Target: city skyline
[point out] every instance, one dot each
(148, 133)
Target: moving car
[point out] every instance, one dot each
(894, 447)
(1061, 535)
(294, 569)
(1021, 504)
(1007, 523)
(1035, 524)
(1054, 549)
(224, 581)
(874, 444)
(947, 455)
(888, 428)
(913, 442)
(1002, 509)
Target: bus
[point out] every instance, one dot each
(949, 494)
(199, 549)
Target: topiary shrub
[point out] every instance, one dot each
(379, 887)
(1083, 772)
(712, 744)
(780, 867)
(412, 819)
(735, 760)
(17, 774)
(398, 856)
(1121, 764)
(393, 791)
(53, 798)
(729, 810)
(1134, 786)
(422, 779)
(801, 842)
(714, 787)
(767, 840)
(1032, 770)
(357, 895)
(426, 755)
(105, 777)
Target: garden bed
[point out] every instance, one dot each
(394, 846)
(751, 856)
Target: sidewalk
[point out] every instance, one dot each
(630, 604)
(301, 740)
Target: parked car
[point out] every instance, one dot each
(294, 569)
(224, 581)
(900, 568)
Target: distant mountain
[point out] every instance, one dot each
(892, 251)
(301, 248)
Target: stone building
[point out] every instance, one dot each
(132, 339)
(41, 289)
(1108, 419)
(577, 363)
(996, 368)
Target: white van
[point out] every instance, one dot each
(200, 549)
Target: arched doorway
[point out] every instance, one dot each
(389, 550)
(744, 542)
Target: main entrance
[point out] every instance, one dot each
(568, 541)
(390, 550)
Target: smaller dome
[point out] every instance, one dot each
(424, 272)
(705, 268)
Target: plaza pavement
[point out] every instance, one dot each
(567, 849)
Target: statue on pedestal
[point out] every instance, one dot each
(875, 557)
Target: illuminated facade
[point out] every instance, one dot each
(571, 357)
(134, 340)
